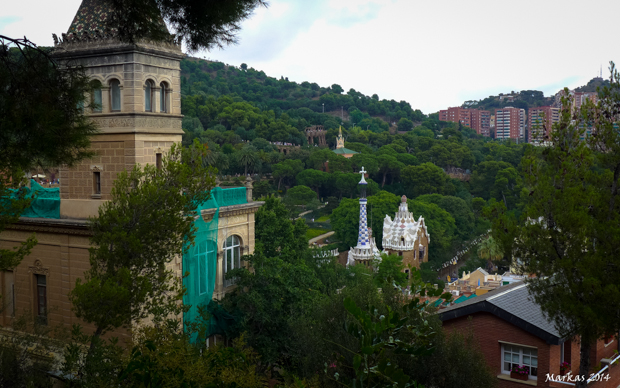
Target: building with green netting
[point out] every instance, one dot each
(225, 232)
(139, 117)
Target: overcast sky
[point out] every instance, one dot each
(433, 53)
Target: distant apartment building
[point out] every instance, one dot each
(579, 98)
(478, 120)
(540, 122)
(510, 123)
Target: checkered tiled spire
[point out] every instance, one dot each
(362, 238)
(366, 249)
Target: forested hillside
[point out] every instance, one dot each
(448, 172)
(259, 103)
(524, 99)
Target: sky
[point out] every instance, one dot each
(432, 54)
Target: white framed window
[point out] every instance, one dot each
(232, 257)
(514, 355)
(204, 250)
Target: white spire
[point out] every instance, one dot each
(363, 181)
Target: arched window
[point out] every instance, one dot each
(96, 96)
(97, 100)
(204, 251)
(232, 257)
(115, 95)
(163, 95)
(148, 96)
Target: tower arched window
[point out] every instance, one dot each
(96, 96)
(163, 98)
(148, 96)
(232, 257)
(115, 95)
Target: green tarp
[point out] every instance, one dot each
(45, 201)
(200, 261)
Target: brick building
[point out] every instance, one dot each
(512, 329)
(478, 120)
(540, 121)
(510, 123)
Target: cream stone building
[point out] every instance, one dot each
(139, 118)
(406, 237)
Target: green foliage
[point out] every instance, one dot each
(136, 234)
(287, 169)
(568, 232)
(280, 283)
(390, 271)
(380, 337)
(198, 24)
(167, 359)
(405, 124)
(426, 178)
(299, 195)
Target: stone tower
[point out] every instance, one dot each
(339, 139)
(366, 250)
(139, 105)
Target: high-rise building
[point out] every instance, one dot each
(509, 123)
(481, 122)
(478, 120)
(540, 122)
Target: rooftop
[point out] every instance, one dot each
(512, 303)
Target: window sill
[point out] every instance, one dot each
(502, 376)
(96, 196)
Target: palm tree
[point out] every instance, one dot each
(490, 250)
(248, 156)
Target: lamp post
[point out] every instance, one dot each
(323, 107)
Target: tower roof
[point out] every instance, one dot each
(91, 17)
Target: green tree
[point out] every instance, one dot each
(312, 178)
(426, 178)
(458, 209)
(390, 271)
(337, 89)
(248, 157)
(287, 169)
(299, 195)
(279, 285)
(405, 124)
(198, 24)
(388, 164)
(41, 104)
(568, 233)
(137, 233)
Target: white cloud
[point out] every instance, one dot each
(432, 54)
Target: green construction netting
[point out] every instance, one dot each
(200, 261)
(45, 202)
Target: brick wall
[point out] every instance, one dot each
(489, 329)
